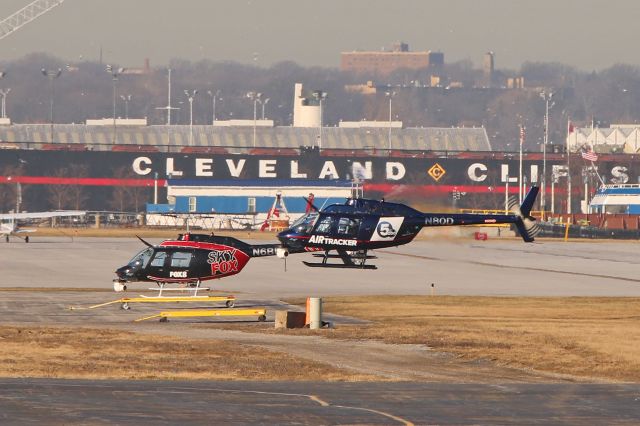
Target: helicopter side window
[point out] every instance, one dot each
(324, 226)
(348, 227)
(180, 259)
(158, 260)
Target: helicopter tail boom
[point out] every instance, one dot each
(520, 217)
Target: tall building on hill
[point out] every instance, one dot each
(488, 68)
(385, 62)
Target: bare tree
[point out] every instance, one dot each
(60, 195)
(128, 198)
(9, 190)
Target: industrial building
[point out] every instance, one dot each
(385, 62)
(618, 138)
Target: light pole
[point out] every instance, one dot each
(115, 72)
(255, 96)
(191, 94)
(390, 95)
(51, 75)
(264, 104)
(126, 99)
(320, 96)
(4, 93)
(543, 202)
(214, 95)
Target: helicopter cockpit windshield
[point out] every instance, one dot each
(142, 258)
(304, 224)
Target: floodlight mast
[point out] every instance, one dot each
(25, 15)
(168, 107)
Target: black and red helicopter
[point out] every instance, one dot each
(191, 259)
(350, 229)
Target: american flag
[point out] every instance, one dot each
(589, 155)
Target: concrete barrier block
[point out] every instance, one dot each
(290, 319)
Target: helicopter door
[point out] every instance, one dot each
(179, 264)
(157, 266)
(348, 227)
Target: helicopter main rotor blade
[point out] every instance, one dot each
(310, 203)
(144, 242)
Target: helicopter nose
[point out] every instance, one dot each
(123, 272)
(284, 236)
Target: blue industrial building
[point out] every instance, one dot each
(622, 198)
(201, 196)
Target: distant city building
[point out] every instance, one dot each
(363, 89)
(146, 69)
(515, 83)
(385, 62)
(488, 68)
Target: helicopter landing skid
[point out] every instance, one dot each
(350, 260)
(338, 265)
(337, 256)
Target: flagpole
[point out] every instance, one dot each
(520, 170)
(595, 169)
(506, 196)
(553, 195)
(568, 167)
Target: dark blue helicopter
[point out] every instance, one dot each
(359, 225)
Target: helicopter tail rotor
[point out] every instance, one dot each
(526, 224)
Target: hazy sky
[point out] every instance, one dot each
(588, 34)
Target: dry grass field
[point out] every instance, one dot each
(586, 337)
(103, 354)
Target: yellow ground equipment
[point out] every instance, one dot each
(229, 301)
(192, 313)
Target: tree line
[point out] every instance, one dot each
(85, 91)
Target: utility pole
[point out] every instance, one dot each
(214, 96)
(390, 95)
(126, 99)
(115, 72)
(255, 96)
(51, 75)
(190, 96)
(543, 201)
(320, 96)
(168, 107)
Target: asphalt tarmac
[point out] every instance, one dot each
(458, 267)
(310, 403)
